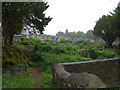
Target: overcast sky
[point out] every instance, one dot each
(76, 15)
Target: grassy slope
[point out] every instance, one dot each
(46, 54)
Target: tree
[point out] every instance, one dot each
(105, 29)
(80, 34)
(38, 20)
(60, 34)
(11, 20)
(89, 34)
(116, 20)
(16, 15)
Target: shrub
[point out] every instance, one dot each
(107, 53)
(58, 49)
(84, 52)
(97, 46)
(82, 44)
(37, 56)
(52, 58)
(92, 54)
(89, 53)
(65, 41)
(14, 56)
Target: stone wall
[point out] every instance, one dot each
(108, 70)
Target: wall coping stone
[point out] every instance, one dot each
(93, 61)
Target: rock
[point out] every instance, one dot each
(85, 80)
(18, 70)
(59, 69)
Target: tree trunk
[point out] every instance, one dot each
(8, 37)
(109, 44)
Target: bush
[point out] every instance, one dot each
(92, 54)
(89, 53)
(65, 49)
(37, 56)
(107, 53)
(14, 56)
(52, 58)
(65, 41)
(97, 46)
(82, 44)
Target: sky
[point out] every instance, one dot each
(76, 15)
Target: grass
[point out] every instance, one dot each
(21, 81)
(24, 81)
(45, 80)
(46, 53)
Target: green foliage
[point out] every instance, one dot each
(87, 45)
(60, 34)
(37, 56)
(107, 53)
(22, 81)
(23, 14)
(88, 53)
(92, 54)
(108, 28)
(89, 35)
(52, 58)
(46, 78)
(82, 44)
(13, 12)
(104, 28)
(97, 46)
(116, 20)
(65, 41)
(15, 56)
(47, 53)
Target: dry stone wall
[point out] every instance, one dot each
(107, 70)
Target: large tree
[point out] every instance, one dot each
(108, 27)
(105, 29)
(37, 20)
(89, 35)
(16, 15)
(116, 20)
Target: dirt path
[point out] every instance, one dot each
(36, 75)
